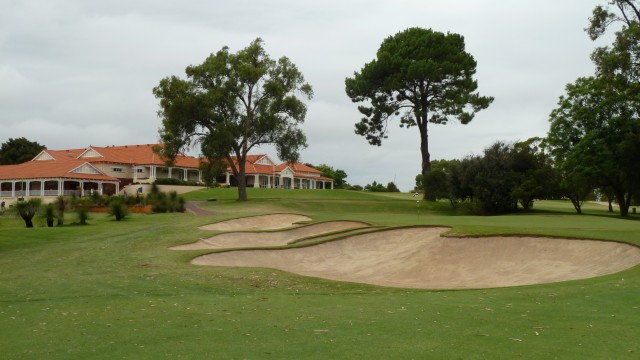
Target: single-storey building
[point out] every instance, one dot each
(261, 171)
(108, 169)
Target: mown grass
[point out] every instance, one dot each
(112, 290)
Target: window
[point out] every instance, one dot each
(118, 170)
(139, 170)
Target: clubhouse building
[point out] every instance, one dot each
(107, 170)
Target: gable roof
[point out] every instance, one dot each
(299, 170)
(66, 169)
(135, 155)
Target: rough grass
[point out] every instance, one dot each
(113, 290)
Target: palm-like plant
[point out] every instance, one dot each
(27, 210)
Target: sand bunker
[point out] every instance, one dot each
(262, 222)
(421, 258)
(275, 238)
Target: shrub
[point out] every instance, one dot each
(118, 209)
(27, 210)
(83, 214)
(161, 202)
(60, 205)
(171, 181)
(49, 213)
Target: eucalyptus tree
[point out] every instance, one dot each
(419, 76)
(231, 103)
(595, 138)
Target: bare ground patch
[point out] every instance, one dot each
(420, 258)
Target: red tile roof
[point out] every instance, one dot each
(300, 170)
(49, 169)
(138, 155)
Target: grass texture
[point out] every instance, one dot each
(112, 290)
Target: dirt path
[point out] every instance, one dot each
(194, 208)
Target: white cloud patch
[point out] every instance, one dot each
(74, 73)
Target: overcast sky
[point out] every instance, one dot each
(75, 73)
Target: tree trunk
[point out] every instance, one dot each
(50, 222)
(28, 222)
(242, 181)
(623, 203)
(424, 149)
(426, 158)
(576, 205)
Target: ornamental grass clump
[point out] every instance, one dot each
(118, 209)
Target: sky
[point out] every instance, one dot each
(75, 73)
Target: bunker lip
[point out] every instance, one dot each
(272, 238)
(259, 222)
(419, 257)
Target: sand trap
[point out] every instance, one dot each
(276, 238)
(262, 222)
(421, 258)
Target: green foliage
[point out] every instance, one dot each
(233, 102)
(536, 176)
(595, 138)
(49, 214)
(328, 171)
(419, 76)
(162, 203)
(210, 170)
(27, 209)
(118, 208)
(82, 213)
(172, 181)
(625, 11)
(375, 187)
(497, 181)
(391, 187)
(437, 184)
(18, 151)
(122, 282)
(60, 204)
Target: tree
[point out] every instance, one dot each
(18, 151)
(595, 135)
(27, 210)
(328, 171)
(495, 180)
(375, 187)
(439, 182)
(421, 76)
(536, 176)
(391, 187)
(624, 11)
(232, 103)
(438, 185)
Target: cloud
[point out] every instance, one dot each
(74, 72)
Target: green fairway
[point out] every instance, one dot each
(113, 290)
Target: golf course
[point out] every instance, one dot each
(225, 283)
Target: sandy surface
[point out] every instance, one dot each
(421, 258)
(262, 222)
(275, 238)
